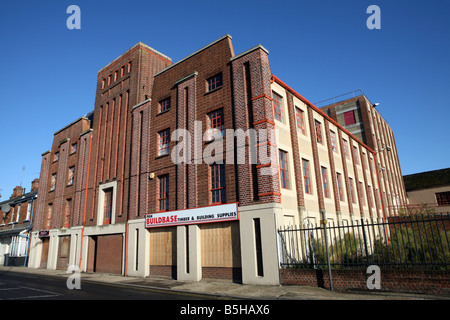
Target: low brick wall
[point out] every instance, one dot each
(405, 281)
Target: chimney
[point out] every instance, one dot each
(34, 185)
(17, 191)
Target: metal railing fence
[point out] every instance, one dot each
(410, 241)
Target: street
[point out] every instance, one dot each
(20, 286)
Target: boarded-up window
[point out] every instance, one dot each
(163, 246)
(221, 245)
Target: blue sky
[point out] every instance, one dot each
(320, 48)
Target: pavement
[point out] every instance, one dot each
(228, 290)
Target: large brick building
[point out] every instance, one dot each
(361, 118)
(145, 184)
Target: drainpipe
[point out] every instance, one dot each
(85, 202)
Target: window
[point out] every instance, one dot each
(443, 198)
(53, 182)
(164, 105)
(109, 80)
(107, 205)
(103, 84)
(163, 198)
(318, 127)
(326, 187)
(29, 207)
(70, 176)
(56, 156)
(218, 191)
(277, 103)
(48, 219)
(122, 71)
(355, 154)
(67, 210)
(214, 82)
(339, 186)
(129, 67)
(345, 145)
(352, 192)
(349, 118)
(299, 114)
(284, 172)
(361, 192)
(73, 148)
(306, 176)
(164, 142)
(216, 123)
(115, 75)
(333, 141)
(18, 213)
(369, 197)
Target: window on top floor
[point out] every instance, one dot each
(277, 102)
(349, 117)
(300, 117)
(318, 127)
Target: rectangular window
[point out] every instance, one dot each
(122, 71)
(318, 127)
(53, 182)
(29, 207)
(107, 205)
(333, 141)
(216, 123)
(116, 73)
(352, 192)
(109, 80)
(67, 211)
(73, 148)
(369, 196)
(214, 82)
(300, 116)
(56, 156)
(164, 142)
(349, 118)
(18, 213)
(70, 176)
(306, 176)
(49, 216)
(129, 67)
(345, 145)
(163, 193)
(284, 170)
(443, 198)
(103, 83)
(361, 192)
(355, 154)
(326, 187)
(218, 190)
(339, 186)
(164, 105)
(277, 103)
